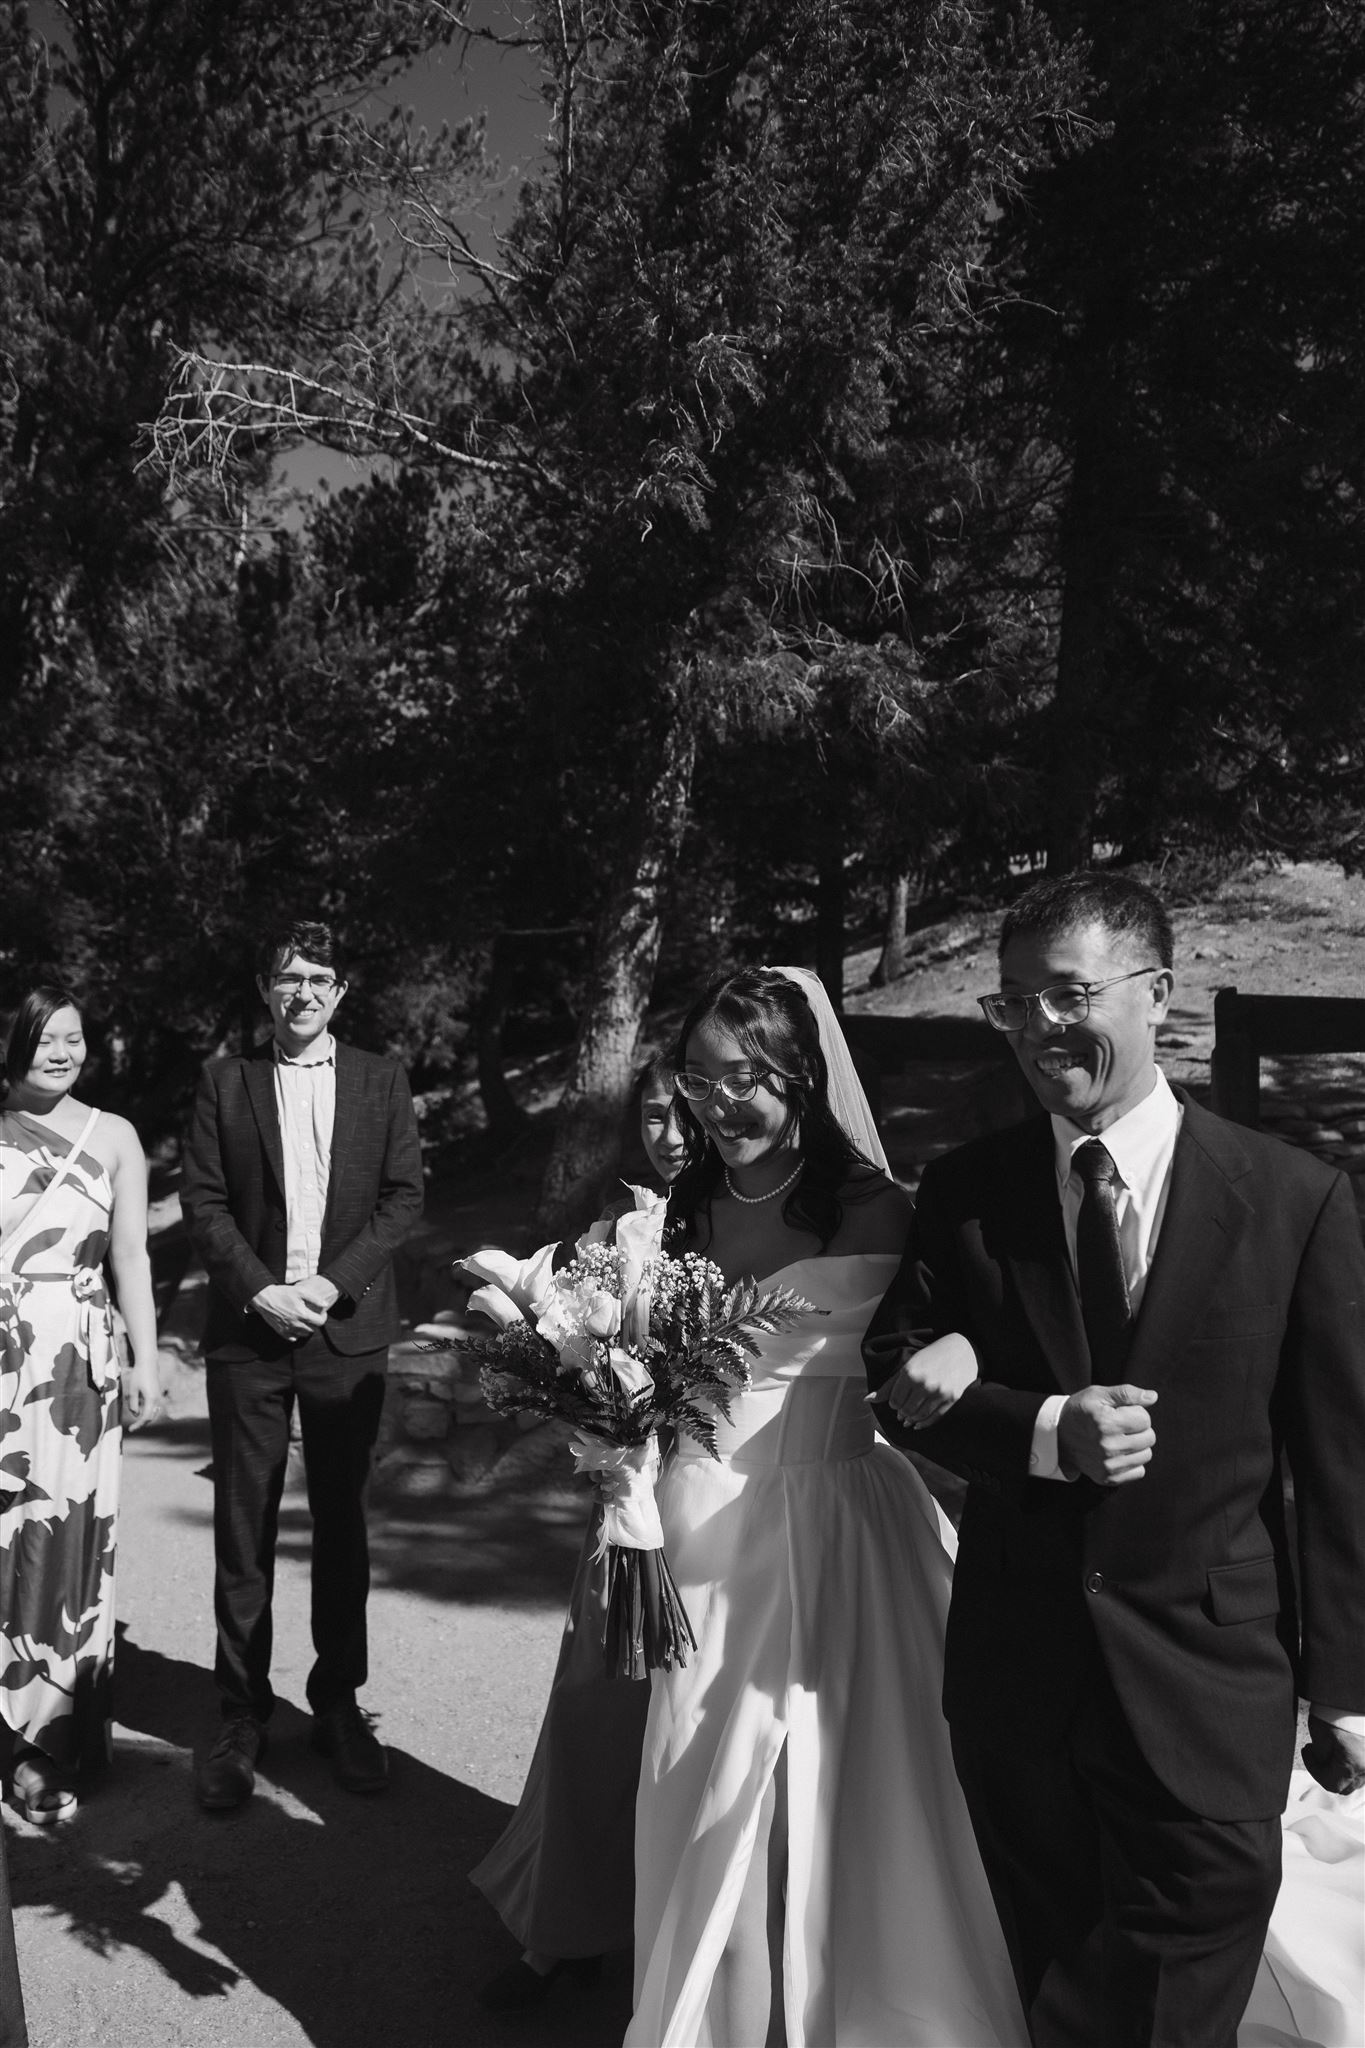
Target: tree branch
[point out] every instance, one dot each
(213, 406)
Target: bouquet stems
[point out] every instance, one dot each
(646, 1627)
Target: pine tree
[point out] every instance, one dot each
(1182, 377)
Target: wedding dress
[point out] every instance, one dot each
(816, 1569)
(1310, 1988)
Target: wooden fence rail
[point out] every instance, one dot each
(1248, 1029)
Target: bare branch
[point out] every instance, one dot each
(212, 408)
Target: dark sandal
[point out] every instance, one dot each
(39, 1793)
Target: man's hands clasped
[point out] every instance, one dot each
(297, 1309)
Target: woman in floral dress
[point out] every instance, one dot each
(73, 1191)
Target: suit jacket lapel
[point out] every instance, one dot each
(1035, 1254)
(1204, 1218)
(260, 1088)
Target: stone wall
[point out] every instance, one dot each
(439, 1436)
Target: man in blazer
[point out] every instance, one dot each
(1156, 1317)
(302, 1176)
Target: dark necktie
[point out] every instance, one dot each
(1099, 1266)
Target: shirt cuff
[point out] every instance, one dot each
(1340, 1717)
(1043, 1460)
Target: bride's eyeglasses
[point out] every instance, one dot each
(730, 1087)
(1066, 1002)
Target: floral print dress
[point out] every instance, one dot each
(59, 1443)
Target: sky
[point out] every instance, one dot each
(470, 77)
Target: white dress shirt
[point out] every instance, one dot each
(1142, 1147)
(306, 1098)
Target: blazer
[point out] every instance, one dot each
(232, 1191)
(1252, 1332)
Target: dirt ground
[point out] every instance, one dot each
(316, 1917)
(1298, 930)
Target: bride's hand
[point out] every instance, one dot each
(929, 1382)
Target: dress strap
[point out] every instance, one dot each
(31, 1215)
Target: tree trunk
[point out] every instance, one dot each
(830, 901)
(505, 1114)
(891, 966)
(1089, 552)
(588, 1135)
(1073, 779)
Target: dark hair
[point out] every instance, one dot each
(771, 1019)
(310, 940)
(31, 1019)
(1126, 908)
(657, 1072)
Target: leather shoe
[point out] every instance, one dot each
(360, 1762)
(226, 1777)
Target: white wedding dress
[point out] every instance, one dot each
(816, 1569)
(1310, 1988)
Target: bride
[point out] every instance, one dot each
(805, 1869)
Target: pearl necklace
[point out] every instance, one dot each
(751, 1201)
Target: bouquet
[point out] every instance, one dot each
(621, 1343)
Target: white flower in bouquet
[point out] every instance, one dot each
(580, 1314)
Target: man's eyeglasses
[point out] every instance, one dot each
(731, 1087)
(1066, 1002)
(294, 984)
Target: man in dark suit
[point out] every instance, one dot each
(302, 1177)
(1160, 1304)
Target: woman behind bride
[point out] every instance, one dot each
(805, 1870)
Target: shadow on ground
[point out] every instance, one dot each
(513, 1546)
(355, 1916)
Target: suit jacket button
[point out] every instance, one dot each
(1094, 1582)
